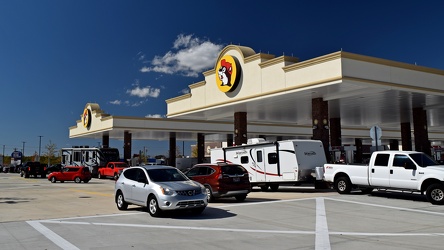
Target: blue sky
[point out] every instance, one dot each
(130, 56)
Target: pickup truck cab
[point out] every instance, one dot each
(395, 170)
(33, 168)
(112, 169)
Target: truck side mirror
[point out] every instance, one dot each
(408, 165)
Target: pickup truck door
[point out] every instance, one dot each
(379, 171)
(403, 173)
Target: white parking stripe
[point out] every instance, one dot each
(322, 236)
(55, 238)
(390, 207)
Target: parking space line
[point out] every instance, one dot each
(182, 227)
(322, 239)
(389, 207)
(55, 238)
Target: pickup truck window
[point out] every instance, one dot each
(403, 161)
(423, 160)
(382, 160)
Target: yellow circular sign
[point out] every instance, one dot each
(228, 73)
(86, 118)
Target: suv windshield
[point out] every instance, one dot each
(162, 175)
(423, 160)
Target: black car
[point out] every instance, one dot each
(54, 168)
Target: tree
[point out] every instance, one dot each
(50, 153)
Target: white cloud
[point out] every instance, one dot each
(116, 102)
(190, 57)
(185, 91)
(154, 116)
(144, 92)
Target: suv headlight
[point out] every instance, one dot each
(167, 191)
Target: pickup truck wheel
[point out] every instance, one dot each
(120, 201)
(435, 194)
(77, 180)
(99, 176)
(343, 185)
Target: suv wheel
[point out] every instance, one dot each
(210, 196)
(153, 206)
(241, 197)
(120, 201)
(77, 179)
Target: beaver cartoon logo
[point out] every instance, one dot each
(225, 73)
(86, 118)
(228, 73)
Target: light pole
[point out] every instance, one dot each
(23, 151)
(40, 144)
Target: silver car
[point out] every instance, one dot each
(159, 188)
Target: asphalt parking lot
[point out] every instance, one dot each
(37, 214)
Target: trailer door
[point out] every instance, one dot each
(258, 164)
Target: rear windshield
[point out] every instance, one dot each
(233, 170)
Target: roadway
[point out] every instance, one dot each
(37, 214)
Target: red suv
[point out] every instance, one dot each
(222, 180)
(71, 173)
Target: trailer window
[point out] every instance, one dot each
(382, 160)
(259, 156)
(244, 159)
(272, 158)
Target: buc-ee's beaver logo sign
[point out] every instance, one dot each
(228, 73)
(86, 118)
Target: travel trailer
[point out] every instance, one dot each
(93, 158)
(270, 164)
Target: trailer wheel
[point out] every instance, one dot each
(435, 194)
(274, 187)
(264, 188)
(343, 185)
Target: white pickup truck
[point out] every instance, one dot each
(391, 170)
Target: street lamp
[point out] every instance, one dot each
(40, 144)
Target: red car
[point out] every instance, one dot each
(222, 180)
(71, 173)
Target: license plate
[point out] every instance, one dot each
(236, 179)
